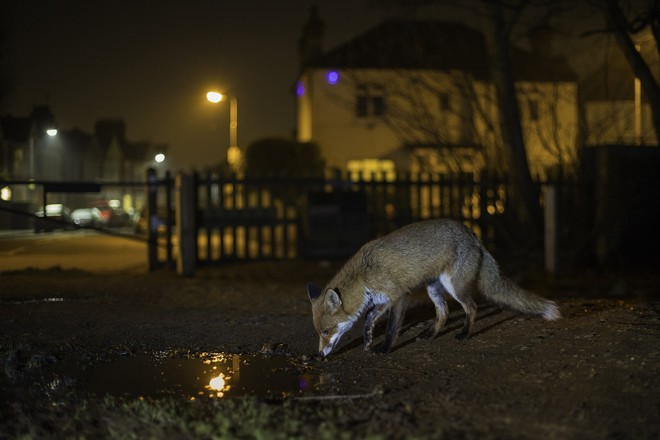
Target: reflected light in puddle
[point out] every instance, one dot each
(214, 375)
(219, 384)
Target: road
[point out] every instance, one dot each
(82, 249)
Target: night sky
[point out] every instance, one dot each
(151, 64)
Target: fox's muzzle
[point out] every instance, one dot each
(327, 345)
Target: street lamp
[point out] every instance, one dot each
(233, 152)
(34, 137)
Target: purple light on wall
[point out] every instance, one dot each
(300, 88)
(332, 77)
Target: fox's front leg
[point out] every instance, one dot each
(394, 324)
(373, 315)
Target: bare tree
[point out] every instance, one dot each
(629, 21)
(497, 45)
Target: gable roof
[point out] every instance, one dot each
(16, 129)
(107, 130)
(439, 45)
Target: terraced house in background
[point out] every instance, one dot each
(29, 152)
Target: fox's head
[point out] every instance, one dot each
(330, 319)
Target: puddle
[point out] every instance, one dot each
(208, 376)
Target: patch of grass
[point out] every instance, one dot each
(117, 418)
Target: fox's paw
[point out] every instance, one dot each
(427, 334)
(463, 336)
(381, 350)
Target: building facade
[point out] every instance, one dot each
(417, 96)
(28, 153)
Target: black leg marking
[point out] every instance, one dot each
(470, 308)
(394, 324)
(436, 292)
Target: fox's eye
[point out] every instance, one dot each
(325, 332)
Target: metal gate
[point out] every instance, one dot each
(232, 217)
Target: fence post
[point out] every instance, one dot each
(185, 224)
(152, 216)
(169, 219)
(550, 214)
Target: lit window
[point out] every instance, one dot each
(368, 169)
(5, 193)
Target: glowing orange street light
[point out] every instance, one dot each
(214, 97)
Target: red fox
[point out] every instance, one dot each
(442, 254)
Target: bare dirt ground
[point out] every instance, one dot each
(595, 373)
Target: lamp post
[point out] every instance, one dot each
(52, 132)
(233, 152)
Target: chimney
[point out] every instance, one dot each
(310, 45)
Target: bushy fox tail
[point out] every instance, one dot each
(505, 292)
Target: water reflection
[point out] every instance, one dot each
(209, 375)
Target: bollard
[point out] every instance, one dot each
(152, 232)
(185, 224)
(550, 214)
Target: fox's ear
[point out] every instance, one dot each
(313, 291)
(332, 301)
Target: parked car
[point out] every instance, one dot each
(58, 217)
(87, 217)
(119, 218)
(111, 215)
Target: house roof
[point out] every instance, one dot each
(437, 45)
(76, 140)
(135, 150)
(16, 129)
(107, 130)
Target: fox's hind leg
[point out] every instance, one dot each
(436, 292)
(460, 285)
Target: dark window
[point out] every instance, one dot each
(378, 105)
(444, 102)
(533, 110)
(370, 100)
(362, 101)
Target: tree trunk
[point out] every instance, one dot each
(526, 197)
(617, 22)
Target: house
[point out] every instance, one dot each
(106, 155)
(119, 160)
(614, 109)
(417, 96)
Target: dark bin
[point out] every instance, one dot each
(336, 224)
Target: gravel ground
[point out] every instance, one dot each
(595, 373)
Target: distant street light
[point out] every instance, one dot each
(51, 132)
(160, 157)
(233, 152)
